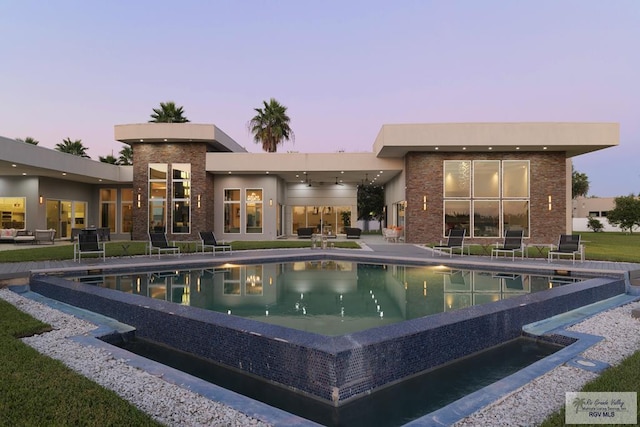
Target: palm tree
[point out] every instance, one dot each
(168, 113)
(126, 156)
(28, 140)
(109, 159)
(72, 147)
(270, 126)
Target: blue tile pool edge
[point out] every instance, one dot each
(477, 400)
(106, 326)
(445, 416)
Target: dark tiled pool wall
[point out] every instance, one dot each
(333, 369)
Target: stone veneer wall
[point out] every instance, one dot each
(335, 370)
(424, 177)
(172, 152)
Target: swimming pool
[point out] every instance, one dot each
(334, 369)
(328, 297)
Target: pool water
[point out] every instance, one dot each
(327, 297)
(391, 406)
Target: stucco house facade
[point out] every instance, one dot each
(187, 177)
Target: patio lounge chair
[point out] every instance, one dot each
(455, 240)
(352, 232)
(158, 242)
(305, 232)
(568, 245)
(512, 244)
(88, 244)
(208, 241)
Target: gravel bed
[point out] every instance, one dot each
(167, 403)
(172, 405)
(534, 402)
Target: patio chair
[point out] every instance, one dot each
(568, 245)
(158, 242)
(88, 244)
(391, 234)
(45, 236)
(352, 232)
(455, 240)
(208, 241)
(512, 244)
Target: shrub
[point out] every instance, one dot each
(595, 224)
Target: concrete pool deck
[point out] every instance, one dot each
(387, 252)
(371, 246)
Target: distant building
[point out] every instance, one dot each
(594, 207)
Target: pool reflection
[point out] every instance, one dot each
(327, 297)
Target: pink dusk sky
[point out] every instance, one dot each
(343, 68)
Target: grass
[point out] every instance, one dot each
(624, 377)
(36, 390)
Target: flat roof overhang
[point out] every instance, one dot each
(215, 139)
(21, 159)
(353, 168)
(574, 139)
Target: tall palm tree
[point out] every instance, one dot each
(72, 147)
(28, 140)
(126, 156)
(270, 126)
(168, 113)
(108, 159)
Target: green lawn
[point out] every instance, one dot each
(36, 390)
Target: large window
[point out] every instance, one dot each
(232, 211)
(457, 178)
(328, 220)
(13, 212)
(108, 199)
(181, 184)
(158, 197)
(456, 215)
(486, 197)
(126, 210)
(254, 210)
(515, 181)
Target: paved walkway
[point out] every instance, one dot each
(373, 248)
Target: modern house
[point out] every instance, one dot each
(186, 177)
